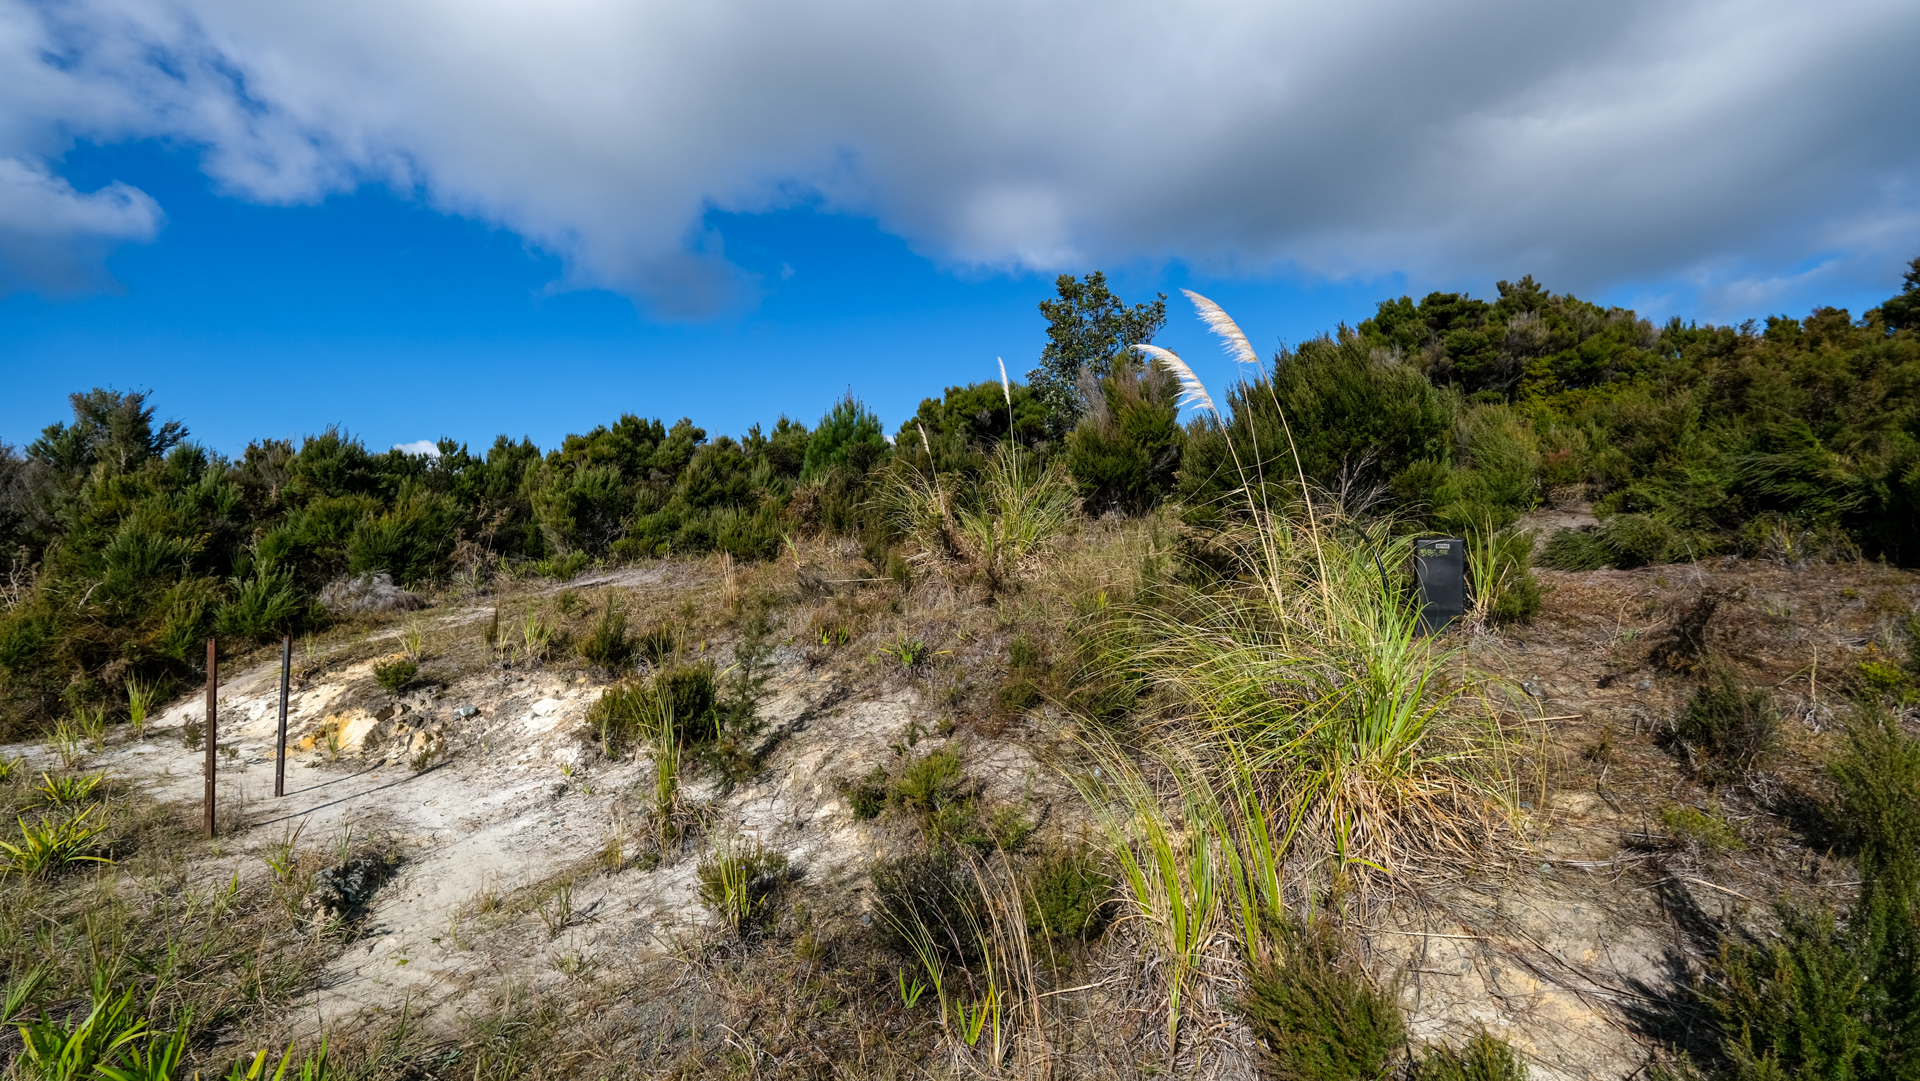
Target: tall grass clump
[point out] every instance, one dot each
(1310, 671)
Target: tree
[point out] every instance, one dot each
(1902, 312)
(1086, 328)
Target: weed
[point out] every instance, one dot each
(66, 791)
(563, 568)
(607, 645)
(658, 644)
(47, 845)
(411, 640)
(395, 675)
(910, 652)
(535, 637)
(1316, 1013)
(1484, 1057)
(867, 797)
(10, 766)
(1735, 726)
(140, 699)
(556, 909)
(1700, 831)
(927, 901)
(930, 781)
(1068, 895)
(568, 602)
(736, 879)
(423, 759)
(1023, 654)
(1017, 696)
(66, 742)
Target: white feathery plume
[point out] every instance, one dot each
(1005, 387)
(1192, 391)
(1220, 323)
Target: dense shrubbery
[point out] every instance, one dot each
(126, 545)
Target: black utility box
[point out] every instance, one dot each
(1440, 571)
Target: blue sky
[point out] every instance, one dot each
(400, 323)
(419, 218)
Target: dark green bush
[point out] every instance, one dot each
(1068, 894)
(607, 645)
(1125, 451)
(1317, 1016)
(262, 608)
(1733, 725)
(931, 897)
(849, 437)
(395, 675)
(1484, 1057)
(867, 797)
(1825, 998)
(930, 781)
(1575, 550)
(631, 709)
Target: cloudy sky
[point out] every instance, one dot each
(422, 218)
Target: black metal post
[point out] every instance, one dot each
(280, 752)
(213, 686)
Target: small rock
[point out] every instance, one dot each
(463, 712)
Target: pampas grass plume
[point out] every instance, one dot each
(1192, 391)
(1220, 323)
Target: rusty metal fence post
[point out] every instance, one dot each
(213, 685)
(280, 752)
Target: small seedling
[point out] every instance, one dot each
(394, 676)
(140, 698)
(557, 910)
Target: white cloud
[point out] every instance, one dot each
(424, 448)
(1709, 142)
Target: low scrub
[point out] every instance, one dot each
(1728, 725)
(1317, 1015)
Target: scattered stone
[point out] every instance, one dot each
(463, 712)
(366, 593)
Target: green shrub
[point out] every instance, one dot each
(1878, 777)
(1831, 999)
(931, 897)
(395, 675)
(1575, 550)
(1068, 894)
(411, 541)
(1484, 1057)
(930, 781)
(635, 709)
(735, 880)
(582, 507)
(1698, 829)
(1317, 1016)
(262, 608)
(867, 797)
(1126, 450)
(1734, 725)
(607, 645)
(849, 437)
(1638, 540)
